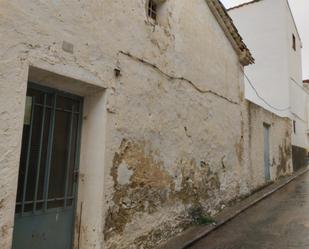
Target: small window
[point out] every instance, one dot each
(294, 42)
(152, 9)
(294, 126)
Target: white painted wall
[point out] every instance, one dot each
(306, 86)
(298, 95)
(267, 27)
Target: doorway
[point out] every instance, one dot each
(266, 152)
(48, 171)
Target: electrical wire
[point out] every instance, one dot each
(261, 98)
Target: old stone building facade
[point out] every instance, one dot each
(164, 127)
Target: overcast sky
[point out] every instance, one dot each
(300, 9)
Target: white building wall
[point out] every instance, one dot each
(298, 95)
(266, 39)
(267, 27)
(298, 115)
(306, 87)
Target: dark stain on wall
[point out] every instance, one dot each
(299, 157)
(4, 231)
(285, 152)
(147, 190)
(151, 186)
(1, 203)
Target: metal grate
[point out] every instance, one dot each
(50, 151)
(152, 10)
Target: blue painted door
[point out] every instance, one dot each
(266, 152)
(47, 184)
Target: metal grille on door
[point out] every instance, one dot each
(47, 184)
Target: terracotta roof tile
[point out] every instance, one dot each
(226, 23)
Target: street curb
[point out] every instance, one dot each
(206, 230)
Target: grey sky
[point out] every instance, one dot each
(300, 9)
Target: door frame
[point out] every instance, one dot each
(266, 151)
(80, 99)
(90, 210)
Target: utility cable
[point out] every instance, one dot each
(261, 98)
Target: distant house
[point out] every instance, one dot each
(275, 80)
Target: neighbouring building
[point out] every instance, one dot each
(306, 86)
(275, 81)
(118, 118)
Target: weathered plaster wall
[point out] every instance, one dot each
(175, 135)
(174, 147)
(280, 145)
(11, 109)
(176, 124)
(32, 33)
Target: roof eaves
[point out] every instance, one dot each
(256, 1)
(231, 31)
(243, 4)
(295, 25)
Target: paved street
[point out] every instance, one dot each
(279, 222)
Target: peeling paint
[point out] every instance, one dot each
(285, 155)
(150, 187)
(147, 189)
(280, 145)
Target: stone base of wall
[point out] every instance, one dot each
(299, 157)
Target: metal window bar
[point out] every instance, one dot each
(48, 200)
(40, 155)
(57, 109)
(49, 152)
(28, 157)
(68, 157)
(152, 10)
(47, 165)
(78, 142)
(54, 91)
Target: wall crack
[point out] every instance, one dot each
(173, 77)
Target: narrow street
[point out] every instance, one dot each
(278, 222)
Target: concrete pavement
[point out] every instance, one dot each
(279, 222)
